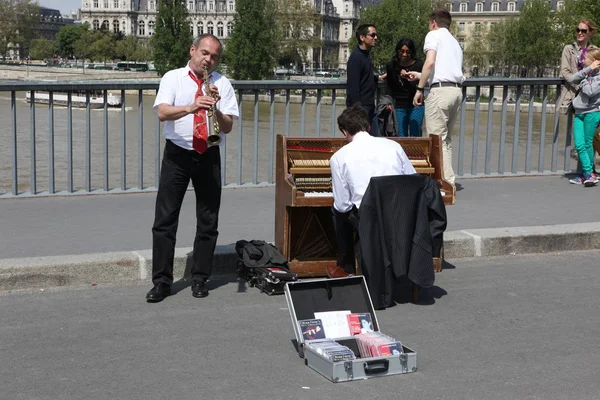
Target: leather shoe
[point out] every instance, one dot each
(199, 289)
(158, 293)
(336, 272)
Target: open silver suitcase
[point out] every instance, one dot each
(305, 297)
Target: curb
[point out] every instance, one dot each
(136, 266)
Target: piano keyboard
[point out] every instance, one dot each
(318, 194)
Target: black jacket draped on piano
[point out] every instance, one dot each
(402, 220)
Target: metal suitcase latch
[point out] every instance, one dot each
(349, 371)
(404, 362)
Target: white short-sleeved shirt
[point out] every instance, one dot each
(353, 166)
(448, 59)
(178, 89)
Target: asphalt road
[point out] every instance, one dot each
(38, 227)
(507, 328)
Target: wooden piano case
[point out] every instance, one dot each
(304, 230)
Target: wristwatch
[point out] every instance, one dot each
(420, 89)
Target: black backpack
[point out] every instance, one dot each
(262, 265)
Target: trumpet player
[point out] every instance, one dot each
(187, 105)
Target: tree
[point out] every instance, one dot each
(41, 49)
(568, 17)
(299, 30)
(127, 48)
(17, 23)
(476, 52)
(104, 47)
(396, 19)
(252, 48)
(532, 41)
(68, 36)
(172, 38)
(83, 48)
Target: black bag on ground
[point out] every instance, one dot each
(262, 265)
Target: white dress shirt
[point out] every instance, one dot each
(178, 89)
(353, 166)
(448, 58)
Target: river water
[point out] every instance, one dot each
(249, 173)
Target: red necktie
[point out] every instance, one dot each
(200, 130)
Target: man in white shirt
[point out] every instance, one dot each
(183, 104)
(443, 71)
(352, 167)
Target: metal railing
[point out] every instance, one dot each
(91, 150)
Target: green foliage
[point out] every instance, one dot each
(252, 48)
(172, 38)
(68, 36)
(539, 43)
(299, 28)
(572, 12)
(17, 23)
(477, 53)
(41, 49)
(104, 48)
(396, 19)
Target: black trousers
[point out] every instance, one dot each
(178, 167)
(346, 238)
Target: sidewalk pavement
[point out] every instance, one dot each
(81, 240)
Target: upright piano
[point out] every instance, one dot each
(304, 231)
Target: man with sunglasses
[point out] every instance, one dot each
(361, 83)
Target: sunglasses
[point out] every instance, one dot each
(373, 35)
(584, 31)
(404, 51)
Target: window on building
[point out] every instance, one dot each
(152, 5)
(449, 7)
(141, 28)
(231, 6)
(222, 6)
(151, 26)
(463, 7)
(229, 28)
(461, 26)
(201, 6)
(211, 6)
(220, 29)
(210, 28)
(495, 6)
(511, 6)
(200, 27)
(95, 3)
(116, 26)
(105, 3)
(479, 7)
(105, 25)
(115, 3)
(191, 5)
(560, 5)
(192, 28)
(96, 24)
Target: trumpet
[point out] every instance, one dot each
(214, 130)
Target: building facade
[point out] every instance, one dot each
(138, 17)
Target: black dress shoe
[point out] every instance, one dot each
(199, 289)
(158, 293)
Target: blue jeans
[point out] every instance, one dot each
(410, 117)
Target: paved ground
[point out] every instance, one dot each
(502, 328)
(40, 227)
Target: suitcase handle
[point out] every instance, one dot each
(376, 367)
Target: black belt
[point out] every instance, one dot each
(445, 84)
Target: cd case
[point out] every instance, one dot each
(344, 308)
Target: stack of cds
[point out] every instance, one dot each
(377, 344)
(332, 350)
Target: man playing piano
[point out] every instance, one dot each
(352, 167)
